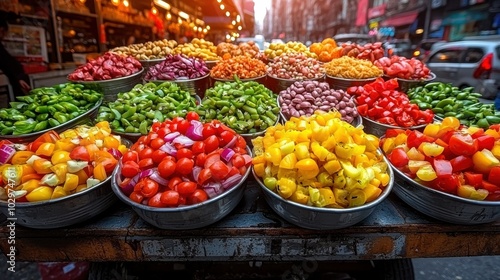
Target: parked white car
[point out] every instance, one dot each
(467, 63)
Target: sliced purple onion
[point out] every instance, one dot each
(231, 181)
(227, 154)
(115, 153)
(195, 131)
(213, 189)
(146, 173)
(196, 172)
(6, 153)
(129, 188)
(169, 149)
(248, 159)
(171, 136)
(158, 179)
(183, 140)
(231, 143)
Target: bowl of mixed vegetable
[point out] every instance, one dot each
(62, 179)
(384, 107)
(448, 172)
(320, 172)
(48, 108)
(184, 174)
(248, 108)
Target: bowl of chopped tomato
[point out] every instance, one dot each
(448, 172)
(184, 174)
(62, 179)
(407, 84)
(382, 106)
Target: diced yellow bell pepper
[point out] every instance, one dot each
(492, 132)
(20, 157)
(71, 182)
(60, 157)
(361, 160)
(289, 161)
(123, 149)
(484, 161)
(320, 133)
(339, 180)
(286, 187)
(320, 152)
(111, 142)
(304, 136)
(80, 188)
(273, 155)
(414, 154)
(301, 195)
(42, 166)
(58, 192)
(431, 149)
(283, 173)
(432, 129)
(64, 145)
(356, 198)
(30, 185)
(452, 122)
(301, 125)
(400, 139)
(388, 144)
(329, 143)
(100, 172)
(325, 179)
(307, 168)
(467, 191)
(341, 197)
(302, 151)
(328, 196)
(46, 149)
(267, 141)
(349, 169)
(415, 165)
(426, 173)
(287, 147)
(40, 194)
(342, 136)
(332, 166)
(371, 143)
(259, 169)
(383, 178)
(496, 150)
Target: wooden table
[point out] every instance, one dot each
(254, 232)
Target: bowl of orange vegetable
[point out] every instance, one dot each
(62, 179)
(313, 180)
(448, 172)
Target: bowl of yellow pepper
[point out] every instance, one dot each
(320, 172)
(59, 179)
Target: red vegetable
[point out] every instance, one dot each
(402, 67)
(106, 67)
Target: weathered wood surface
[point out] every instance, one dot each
(254, 232)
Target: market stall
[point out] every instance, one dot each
(357, 158)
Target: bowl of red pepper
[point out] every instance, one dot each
(184, 174)
(54, 182)
(384, 107)
(449, 172)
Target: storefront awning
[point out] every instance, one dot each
(401, 19)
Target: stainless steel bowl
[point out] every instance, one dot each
(405, 85)
(321, 218)
(277, 84)
(249, 136)
(443, 206)
(185, 217)
(88, 116)
(344, 84)
(211, 63)
(64, 211)
(151, 62)
(196, 86)
(111, 88)
(379, 129)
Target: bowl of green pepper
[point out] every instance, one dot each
(57, 108)
(132, 113)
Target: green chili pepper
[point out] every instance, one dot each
(41, 126)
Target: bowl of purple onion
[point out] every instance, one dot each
(303, 98)
(191, 74)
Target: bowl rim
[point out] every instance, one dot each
(295, 80)
(68, 123)
(243, 80)
(152, 60)
(178, 80)
(352, 80)
(385, 192)
(116, 189)
(432, 77)
(388, 126)
(431, 190)
(259, 133)
(138, 73)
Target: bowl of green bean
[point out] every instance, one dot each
(132, 113)
(248, 107)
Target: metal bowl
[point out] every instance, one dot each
(111, 88)
(196, 86)
(321, 218)
(443, 206)
(81, 119)
(64, 211)
(185, 217)
(151, 62)
(344, 84)
(277, 84)
(405, 85)
(211, 63)
(379, 129)
(249, 136)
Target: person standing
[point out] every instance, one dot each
(10, 66)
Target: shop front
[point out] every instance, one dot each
(468, 20)
(402, 23)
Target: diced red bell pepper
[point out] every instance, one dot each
(474, 179)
